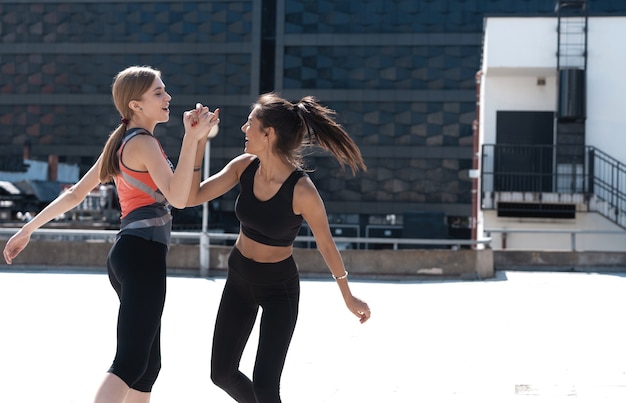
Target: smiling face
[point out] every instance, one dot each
(154, 104)
(256, 136)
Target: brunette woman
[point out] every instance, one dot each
(276, 196)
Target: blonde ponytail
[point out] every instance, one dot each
(129, 85)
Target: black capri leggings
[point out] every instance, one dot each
(275, 287)
(137, 272)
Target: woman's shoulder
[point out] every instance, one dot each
(138, 133)
(243, 160)
(140, 144)
(248, 158)
(306, 198)
(239, 164)
(305, 187)
(141, 138)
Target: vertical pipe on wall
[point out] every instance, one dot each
(476, 162)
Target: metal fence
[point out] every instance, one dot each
(182, 236)
(567, 169)
(574, 234)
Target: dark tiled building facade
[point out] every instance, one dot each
(400, 74)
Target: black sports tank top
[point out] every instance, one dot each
(270, 222)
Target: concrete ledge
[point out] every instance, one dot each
(464, 263)
(560, 261)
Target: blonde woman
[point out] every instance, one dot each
(147, 186)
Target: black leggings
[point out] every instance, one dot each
(137, 272)
(275, 287)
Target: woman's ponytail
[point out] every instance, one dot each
(323, 130)
(109, 166)
(129, 85)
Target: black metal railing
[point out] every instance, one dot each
(540, 169)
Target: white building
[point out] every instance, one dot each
(552, 132)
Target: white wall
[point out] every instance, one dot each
(609, 237)
(520, 44)
(517, 52)
(520, 50)
(518, 93)
(606, 86)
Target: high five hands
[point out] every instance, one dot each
(201, 122)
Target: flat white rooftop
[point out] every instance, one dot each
(520, 337)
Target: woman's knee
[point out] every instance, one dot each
(220, 377)
(136, 374)
(266, 392)
(266, 386)
(147, 380)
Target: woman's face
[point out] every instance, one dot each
(155, 102)
(256, 137)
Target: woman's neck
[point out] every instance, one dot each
(142, 123)
(272, 167)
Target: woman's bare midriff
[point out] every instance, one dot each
(260, 252)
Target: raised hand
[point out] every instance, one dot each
(201, 122)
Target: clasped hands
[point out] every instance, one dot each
(202, 119)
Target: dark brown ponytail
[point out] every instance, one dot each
(322, 129)
(307, 123)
